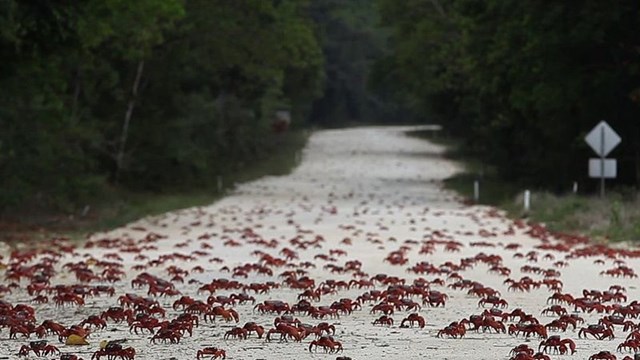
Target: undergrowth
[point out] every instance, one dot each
(120, 206)
(614, 218)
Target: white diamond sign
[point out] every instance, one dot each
(602, 139)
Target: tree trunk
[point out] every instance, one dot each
(76, 95)
(127, 120)
(439, 8)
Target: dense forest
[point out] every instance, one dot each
(157, 95)
(521, 81)
(164, 94)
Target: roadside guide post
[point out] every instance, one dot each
(602, 139)
(476, 191)
(219, 183)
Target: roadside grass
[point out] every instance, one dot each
(120, 206)
(614, 218)
(132, 206)
(492, 192)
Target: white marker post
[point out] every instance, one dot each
(219, 183)
(575, 187)
(527, 200)
(476, 191)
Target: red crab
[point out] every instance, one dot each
(237, 332)
(211, 351)
(328, 343)
(40, 348)
(252, 326)
(94, 320)
(113, 350)
(383, 320)
(413, 318)
(453, 330)
(599, 332)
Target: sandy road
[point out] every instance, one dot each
(375, 187)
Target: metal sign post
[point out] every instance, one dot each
(602, 139)
(476, 191)
(601, 161)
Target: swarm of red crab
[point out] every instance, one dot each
(160, 299)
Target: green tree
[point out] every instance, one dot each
(351, 42)
(520, 81)
(239, 62)
(146, 94)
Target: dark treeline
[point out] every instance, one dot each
(165, 94)
(521, 81)
(168, 94)
(352, 41)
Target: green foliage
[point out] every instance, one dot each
(521, 82)
(612, 218)
(351, 43)
(212, 73)
(129, 28)
(124, 206)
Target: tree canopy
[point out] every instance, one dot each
(145, 94)
(521, 82)
(159, 94)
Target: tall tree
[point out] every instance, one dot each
(151, 93)
(520, 81)
(351, 42)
